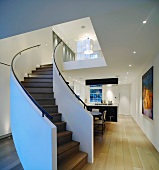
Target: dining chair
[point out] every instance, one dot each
(100, 124)
(97, 117)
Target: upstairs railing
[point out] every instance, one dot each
(54, 57)
(44, 112)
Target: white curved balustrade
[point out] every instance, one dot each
(79, 120)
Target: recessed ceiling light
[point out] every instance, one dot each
(126, 77)
(69, 77)
(129, 65)
(144, 22)
(46, 44)
(127, 73)
(134, 52)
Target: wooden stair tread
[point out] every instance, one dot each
(66, 146)
(54, 114)
(59, 123)
(44, 98)
(46, 66)
(49, 105)
(43, 69)
(37, 78)
(72, 161)
(42, 92)
(64, 133)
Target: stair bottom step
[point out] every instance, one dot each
(74, 162)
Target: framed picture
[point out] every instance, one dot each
(147, 93)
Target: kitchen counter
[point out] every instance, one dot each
(89, 104)
(111, 110)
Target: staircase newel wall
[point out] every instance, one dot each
(35, 137)
(79, 120)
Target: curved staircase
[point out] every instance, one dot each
(40, 85)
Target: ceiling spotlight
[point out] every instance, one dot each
(144, 22)
(129, 65)
(127, 73)
(134, 52)
(46, 44)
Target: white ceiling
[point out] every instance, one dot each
(120, 33)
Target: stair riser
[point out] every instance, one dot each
(46, 102)
(61, 128)
(51, 109)
(56, 118)
(37, 84)
(64, 139)
(44, 69)
(42, 72)
(42, 95)
(67, 153)
(81, 164)
(49, 90)
(30, 80)
(41, 76)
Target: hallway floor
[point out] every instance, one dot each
(124, 147)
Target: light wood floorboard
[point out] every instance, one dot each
(123, 147)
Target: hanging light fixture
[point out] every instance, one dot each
(88, 46)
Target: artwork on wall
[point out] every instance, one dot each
(147, 93)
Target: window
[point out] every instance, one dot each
(96, 93)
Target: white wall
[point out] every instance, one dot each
(34, 136)
(111, 94)
(124, 100)
(149, 127)
(8, 48)
(58, 57)
(4, 98)
(31, 57)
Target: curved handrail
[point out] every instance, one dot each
(4, 64)
(85, 106)
(44, 112)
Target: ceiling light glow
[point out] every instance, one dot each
(144, 22)
(129, 65)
